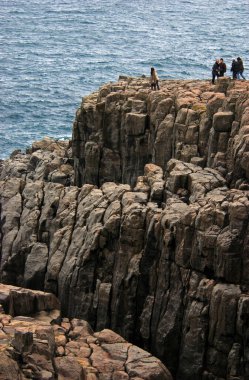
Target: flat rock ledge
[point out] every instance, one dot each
(46, 347)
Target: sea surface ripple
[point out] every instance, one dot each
(54, 52)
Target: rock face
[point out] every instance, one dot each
(155, 244)
(126, 125)
(47, 348)
(47, 160)
(19, 301)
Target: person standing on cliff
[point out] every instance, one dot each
(215, 70)
(222, 67)
(154, 80)
(235, 69)
(240, 69)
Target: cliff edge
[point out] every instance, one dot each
(126, 125)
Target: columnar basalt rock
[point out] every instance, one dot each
(154, 264)
(154, 245)
(48, 160)
(42, 345)
(18, 301)
(126, 125)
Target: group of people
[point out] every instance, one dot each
(237, 68)
(219, 69)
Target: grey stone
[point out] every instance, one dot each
(222, 121)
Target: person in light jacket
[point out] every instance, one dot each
(154, 80)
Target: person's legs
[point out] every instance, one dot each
(213, 77)
(157, 85)
(242, 75)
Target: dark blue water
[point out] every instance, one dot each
(52, 52)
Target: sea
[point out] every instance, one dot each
(54, 52)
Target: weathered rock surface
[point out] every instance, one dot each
(47, 160)
(161, 256)
(124, 126)
(44, 348)
(19, 301)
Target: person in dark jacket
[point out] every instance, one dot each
(240, 68)
(235, 69)
(215, 70)
(222, 67)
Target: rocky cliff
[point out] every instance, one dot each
(124, 126)
(153, 241)
(36, 343)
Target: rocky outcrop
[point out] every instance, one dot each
(47, 160)
(126, 125)
(165, 277)
(19, 301)
(46, 348)
(162, 258)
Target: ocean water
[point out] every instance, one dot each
(53, 52)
